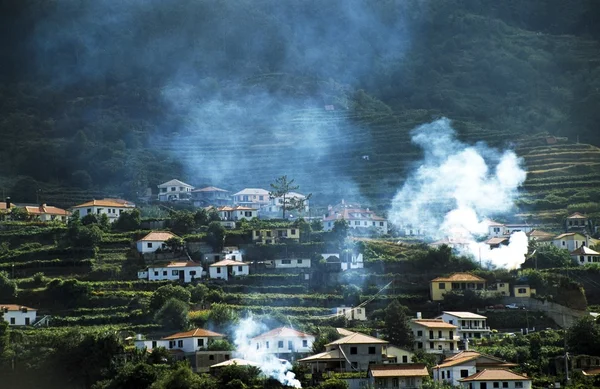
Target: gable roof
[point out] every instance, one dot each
(228, 262)
(283, 332)
(344, 332)
(584, 250)
(358, 338)
(235, 361)
(46, 209)
(332, 355)
(494, 241)
(198, 332)
(467, 356)
(15, 307)
(235, 208)
(458, 277)
(495, 375)
(433, 323)
(400, 370)
(106, 203)
(492, 223)
(576, 215)
(210, 189)
(568, 234)
(540, 235)
(175, 264)
(174, 182)
(465, 315)
(252, 191)
(159, 236)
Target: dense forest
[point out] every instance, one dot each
(110, 98)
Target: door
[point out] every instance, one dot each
(482, 385)
(27, 321)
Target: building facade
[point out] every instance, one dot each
(174, 190)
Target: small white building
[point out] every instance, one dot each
(232, 253)
(154, 241)
(357, 218)
(237, 212)
(585, 255)
(183, 271)
(492, 378)
(348, 260)
(283, 341)
(18, 315)
(470, 325)
(228, 268)
(188, 342)
(113, 208)
(174, 190)
(275, 206)
(289, 263)
(358, 313)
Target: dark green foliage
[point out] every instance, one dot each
(173, 315)
(584, 337)
(128, 221)
(19, 214)
(8, 287)
(4, 343)
(333, 383)
(89, 219)
(222, 316)
(182, 222)
(175, 243)
(215, 236)
(166, 293)
(548, 256)
(184, 378)
(246, 375)
(397, 331)
(280, 189)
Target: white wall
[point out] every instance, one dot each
(158, 273)
(235, 270)
(352, 313)
(142, 246)
(188, 345)
(570, 245)
(294, 263)
(260, 345)
(19, 318)
(453, 374)
(511, 384)
(113, 213)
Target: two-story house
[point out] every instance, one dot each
(456, 282)
(174, 190)
(113, 208)
(576, 222)
(585, 255)
(496, 378)
(252, 197)
(283, 342)
(469, 325)
(185, 271)
(357, 218)
(237, 212)
(227, 269)
(153, 241)
(354, 352)
(211, 196)
(47, 213)
(394, 376)
(18, 315)
(570, 241)
(465, 364)
(190, 345)
(275, 207)
(434, 336)
(276, 235)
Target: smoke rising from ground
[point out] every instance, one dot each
(456, 187)
(269, 364)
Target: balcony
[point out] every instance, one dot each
(474, 328)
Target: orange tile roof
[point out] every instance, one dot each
(497, 240)
(403, 370)
(46, 209)
(358, 338)
(184, 264)
(433, 323)
(158, 236)
(576, 215)
(566, 234)
(495, 375)
(591, 372)
(198, 332)
(332, 355)
(236, 208)
(540, 235)
(458, 277)
(228, 262)
(15, 307)
(2, 205)
(283, 332)
(105, 203)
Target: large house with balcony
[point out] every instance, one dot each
(276, 235)
(576, 222)
(357, 218)
(113, 208)
(495, 378)
(354, 352)
(174, 190)
(434, 336)
(191, 345)
(456, 282)
(465, 364)
(470, 325)
(283, 342)
(570, 241)
(252, 198)
(211, 195)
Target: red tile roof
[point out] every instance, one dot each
(158, 236)
(433, 323)
(403, 370)
(358, 338)
(283, 332)
(198, 332)
(106, 203)
(46, 209)
(459, 277)
(15, 307)
(576, 215)
(495, 375)
(584, 250)
(567, 234)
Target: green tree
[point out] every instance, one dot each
(89, 219)
(167, 292)
(89, 236)
(397, 331)
(340, 231)
(201, 217)
(104, 223)
(19, 214)
(128, 221)
(584, 337)
(215, 236)
(316, 225)
(199, 293)
(173, 315)
(333, 383)
(175, 243)
(4, 343)
(221, 315)
(548, 256)
(183, 378)
(281, 188)
(8, 287)
(182, 222)
(351, 294)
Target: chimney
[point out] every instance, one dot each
(419, 315)
(8, 203)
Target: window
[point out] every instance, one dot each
(164, 272)
(442, 285)
(269, 234)
(180, 343)
(290, 345)
(239, 268)
(154, 344)
(173, 189)
(450, 321)
(356, 223)
(149, 245)
(267, 344)
(280, 344)
(431, 345)
(404, 359)
(464, 373)
(419, 344)
(261, 198)
(420, 333)
(299, 261)
(192, 272)
(286, 261)
(354, 365)
(359, 311)
(505, 384)
(518, 384)
(353, 350)
(380, 224)
(439, 334)
(211, 357)
(218, 270)
(496, 384)
(563, 242)
(89, 210)
(293, 232)
(304, 343)
(200, 342)
(156, 273)
(443, 375)
(394, 382)
(174, 272)
(12, 320)
(522, 290)
(430, 334)
(171, 343)
(371, 350)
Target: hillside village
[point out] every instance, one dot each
(341, 297)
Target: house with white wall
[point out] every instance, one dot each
(252, 198)
(290, 263)
(465, 364)
(570, 241)
(174, 190)
(576, 222)
(276, 235)
(228, 268)
(153, 241)
(489, 378)
(397, 354)
(470, 325)
(236, 213)
(113, 208)
(585, 256)
(283, 342)
(434, 336)
(275, 206)
(47, 213)
(348, 260)
(18, 315)
(357, 218)
(394, 376)
(351, 313)
(232, 253)
(185, 271)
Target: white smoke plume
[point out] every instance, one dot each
(269, 364)
(456, 187)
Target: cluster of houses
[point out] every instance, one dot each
(385, 365)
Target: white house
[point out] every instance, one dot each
(585, 255)
(351, 313)
(174, 190)
(113, 208)
(492, 378)
(47, 213)
(576, 221)
(188, 342)
(348, 260)
(407, 376)
(154, 241)
(275, 207)
(283, 341)
(470, 325)
(465, 364)
(228, 268)
(356, 217)
(570, 241)
(289, 263)
(252, 198)
(18, 315)
(495, 229)
(183, 271)
(232, 253)
(434, 336)
(397, 354)
(237, 212)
